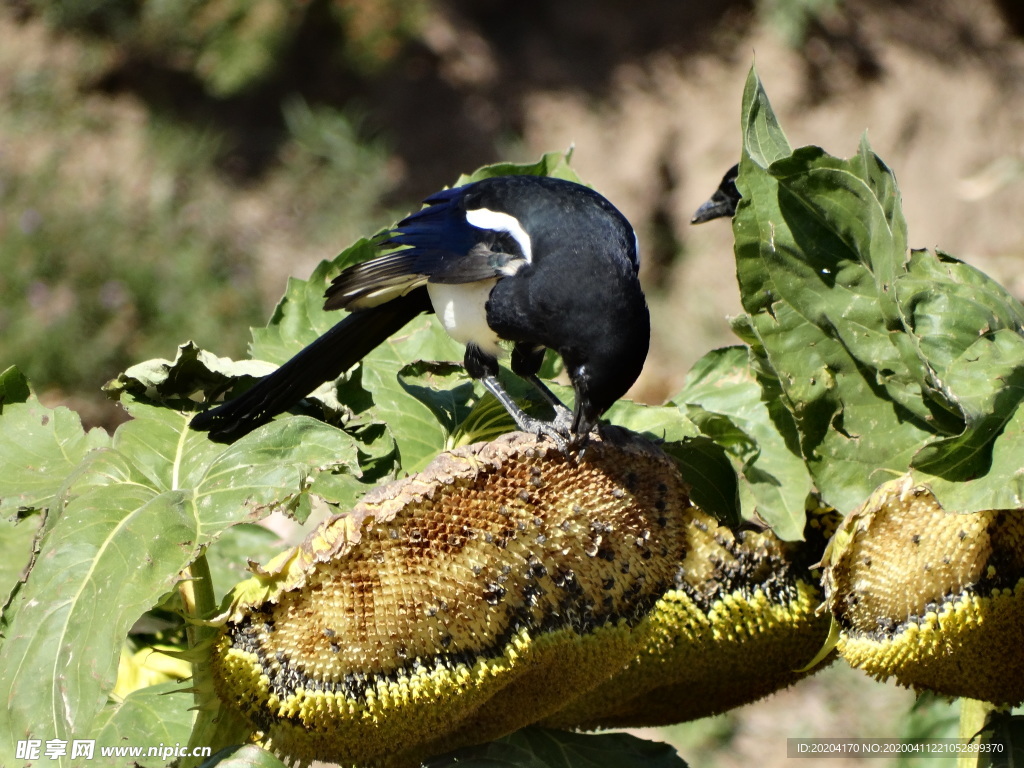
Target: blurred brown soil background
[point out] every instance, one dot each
(162, 175)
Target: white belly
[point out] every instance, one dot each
(462, 311)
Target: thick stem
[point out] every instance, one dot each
(973, 716)
(213, 727)
(200, 603)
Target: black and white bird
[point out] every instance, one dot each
(724, 200)
(540, 262)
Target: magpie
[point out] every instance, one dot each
(724, 200)
(537, 261)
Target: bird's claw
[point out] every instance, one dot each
(560, 432)
(556, 430)
(563, 421)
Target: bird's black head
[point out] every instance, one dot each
(723, 202)
(605, 371)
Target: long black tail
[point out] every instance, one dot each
(325, 359)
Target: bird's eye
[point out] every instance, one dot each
(503, 242)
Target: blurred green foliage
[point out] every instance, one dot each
(340, 174)
(232, 45)
(87, 286)
(120, 234)
(792, 19)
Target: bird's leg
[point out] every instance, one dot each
(523, 420)
(563, 416)
(484, 367)
(526, 361)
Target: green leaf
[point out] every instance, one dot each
(175, 380)
(763, 139)
(149, 717)
(39, 449)
(13, 387)
(230, 554)
(267, 469)
(243, 756)
(343, 485)
(412, 421)
(116, 544)
(884, 360)
(714, 487)
(16, 539)
(723, 397)
(1006, 732)
(134, 515)
(273, 467)
(944, 322)
(967, 330)
(544, 748)
(846, 247)
(1000, 486)
(172, 383)
(660, 423)
(550, 164)
(444, 387)
(808, 232)
(987, 384)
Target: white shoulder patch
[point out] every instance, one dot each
(496, 221)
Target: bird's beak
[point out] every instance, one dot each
(584, 422)
(718, 206)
